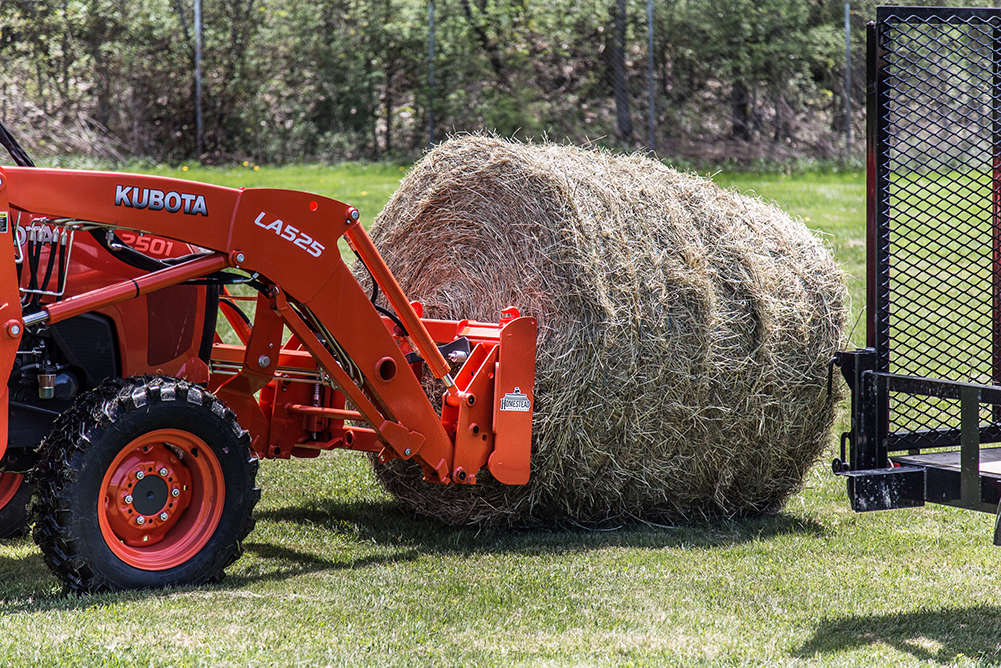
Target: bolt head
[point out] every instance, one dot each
(140, 475)
(13, 328)
(140, 520)
(240, 257)
(164, 516)
(264, 361)
(407, 452)
(128, 499)
(163, 471)
(175, 492)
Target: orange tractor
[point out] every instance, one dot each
(153, 426)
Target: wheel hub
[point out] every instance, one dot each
(150, 495)
(146, 493)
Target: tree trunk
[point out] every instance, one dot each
(620, 87)
(740, 111)
(388, 106)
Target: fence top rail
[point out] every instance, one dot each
(886, 14)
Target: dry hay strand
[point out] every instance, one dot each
(684, 331)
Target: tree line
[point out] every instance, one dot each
(294, 80)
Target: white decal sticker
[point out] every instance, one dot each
(516, 401)
(291, 233)
(135, 197)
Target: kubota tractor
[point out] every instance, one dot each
(153, 426)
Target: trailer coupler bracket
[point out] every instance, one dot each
(886, 489)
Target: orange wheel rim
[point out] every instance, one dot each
(161, 499)
(9, 484)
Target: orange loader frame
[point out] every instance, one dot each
(348, 376)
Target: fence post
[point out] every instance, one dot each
(620, 87)
(430, 73)
(199, 141)
(651, 108)
(848, 77)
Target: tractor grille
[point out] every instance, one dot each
(171, 315)
(934, 138)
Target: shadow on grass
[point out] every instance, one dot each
(26, 584)
(381, 522)
(386, 535)
(278, 563)
(940, 636)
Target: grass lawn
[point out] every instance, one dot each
(335, 575)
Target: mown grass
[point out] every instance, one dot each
(334, 574)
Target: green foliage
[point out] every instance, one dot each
(332, 80)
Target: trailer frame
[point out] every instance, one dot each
(926, 389)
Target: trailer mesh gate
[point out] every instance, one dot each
(935, 235)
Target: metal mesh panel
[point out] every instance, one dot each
(938, 90)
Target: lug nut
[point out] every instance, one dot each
(163, 471)
(140, 520)
(140, 475)
(175, 492)
(128, 499)
(164, 516)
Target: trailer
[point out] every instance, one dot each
(926, 389)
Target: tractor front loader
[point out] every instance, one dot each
(146, 476)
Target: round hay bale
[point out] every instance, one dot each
(684, 330)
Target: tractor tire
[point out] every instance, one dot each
(15, 492)
(145, 482)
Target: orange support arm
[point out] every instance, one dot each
(394, 293)
(10, 308)
(119, 292)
